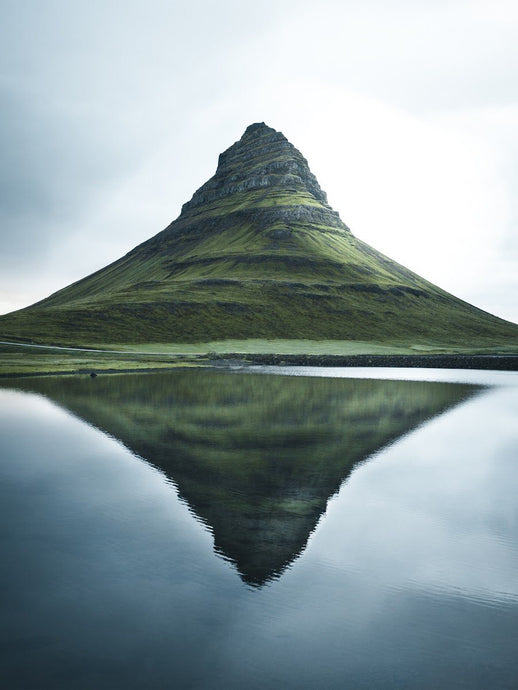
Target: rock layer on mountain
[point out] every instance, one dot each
(257, 253)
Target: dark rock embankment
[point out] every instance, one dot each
(440, 361)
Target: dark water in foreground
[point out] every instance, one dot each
(211, 530)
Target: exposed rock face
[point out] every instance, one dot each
(262, 158)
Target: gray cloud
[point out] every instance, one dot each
(54, 169)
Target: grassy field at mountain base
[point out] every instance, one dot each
(36, 361)
(30, 360)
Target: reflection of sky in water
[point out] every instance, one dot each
(438, 509)
(477, 377)
(409, 580)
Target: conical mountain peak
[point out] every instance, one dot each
(263, 159)
(257, 253)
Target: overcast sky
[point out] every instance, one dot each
(114, 113)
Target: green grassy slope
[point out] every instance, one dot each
(257, 253)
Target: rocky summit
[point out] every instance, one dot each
(257, 253)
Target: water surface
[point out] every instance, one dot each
(207, 529)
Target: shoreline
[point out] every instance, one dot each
(444, 361)
(89, 372)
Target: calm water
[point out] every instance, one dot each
(210, 530)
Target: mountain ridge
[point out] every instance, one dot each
(257, 252)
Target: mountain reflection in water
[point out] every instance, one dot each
(256, 457)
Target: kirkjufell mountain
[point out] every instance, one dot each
(256, 253)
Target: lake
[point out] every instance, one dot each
(293, 528)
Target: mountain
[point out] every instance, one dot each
(256, 253)
(255, 457)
